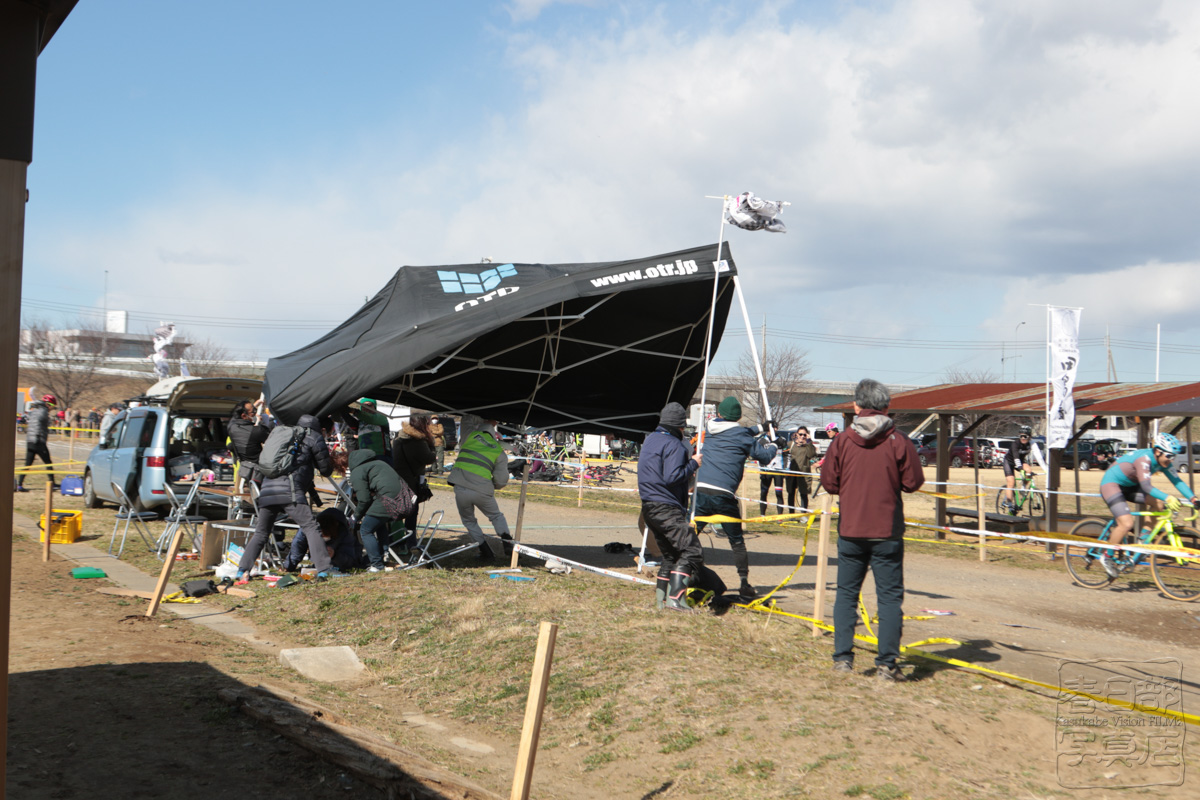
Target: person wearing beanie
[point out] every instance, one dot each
(726, 447)
(664, 469)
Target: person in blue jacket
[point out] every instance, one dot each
(726, 446)
(664, 469)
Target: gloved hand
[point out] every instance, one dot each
(1196, 502)
(315, 498)
(781, 442)
(1173, 504)
(769, 424)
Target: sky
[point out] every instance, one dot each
(254, 171)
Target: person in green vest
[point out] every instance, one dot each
(480, 469)
(374, 432)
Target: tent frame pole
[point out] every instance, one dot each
(708, 335)
(762, 384)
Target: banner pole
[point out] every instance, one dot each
(712, 313)
(762, 384)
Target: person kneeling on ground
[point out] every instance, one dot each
(340, 543)
(375, 483)
(664, 469)
(480, 469)
(288, 494)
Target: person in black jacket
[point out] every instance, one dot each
(246, 434)
(288, 494)
(412, 452)
(37, 429)
(664, 469)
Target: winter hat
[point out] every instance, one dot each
(730, 409)
(672, 416)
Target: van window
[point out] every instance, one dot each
(132, 432)
(147, 437)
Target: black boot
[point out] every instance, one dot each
(677, 588)
(485, 553)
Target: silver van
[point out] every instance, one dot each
(178, 429)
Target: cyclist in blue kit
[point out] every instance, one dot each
(1128, 481)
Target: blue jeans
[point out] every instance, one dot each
(885, 558)
(376, 535)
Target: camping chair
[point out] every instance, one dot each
(421, 557)
(178, 517)
(127, 514)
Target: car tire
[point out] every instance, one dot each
(1084, 465)
(956, 462)
(90, 500)
(1183, 467)
(923, 462)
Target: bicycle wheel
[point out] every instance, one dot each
(1086, 570)
(1000, 509)
(1179, 578)
(1035, 505)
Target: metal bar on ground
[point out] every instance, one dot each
(532, 729)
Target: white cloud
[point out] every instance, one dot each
(931, 149)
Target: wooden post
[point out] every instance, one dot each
(71, 444)
(982, 511)
(1190, 462)
(822, 563)
(1078, 499)
(165, 575)
(942, 471)
(531, 730)
(582, 469)
(47, 524)
(520, 511)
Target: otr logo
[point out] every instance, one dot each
(466, 283)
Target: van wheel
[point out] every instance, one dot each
(956, 462)
(1084, 465)
(89, 493)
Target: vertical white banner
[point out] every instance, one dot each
(1064, 363)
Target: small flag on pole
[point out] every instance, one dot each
(750, 212)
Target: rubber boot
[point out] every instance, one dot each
(660, 585)
(677, 588)
(741, 560)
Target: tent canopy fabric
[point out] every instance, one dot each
(590, 348)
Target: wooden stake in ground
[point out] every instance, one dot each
(523, 777)
(982, 523)
(582, 469)
(822, 560)
(165, 575)
(49, 522)
(520, 511)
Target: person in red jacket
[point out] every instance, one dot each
(868, 468)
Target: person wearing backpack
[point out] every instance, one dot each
(378, 490)
(288, 473)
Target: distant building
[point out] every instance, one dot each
(115, 342)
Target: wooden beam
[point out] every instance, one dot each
(532, 729)
(822, 563)
(1052, 481)
(165, 575)
(942, 470)
(969, 429)
(48, 520)
(520, 511)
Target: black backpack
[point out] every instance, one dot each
(281, 451)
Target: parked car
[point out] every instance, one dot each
(1184, 464)
(1093, 454)
(961, 454)
(820, 440)
(179, 428)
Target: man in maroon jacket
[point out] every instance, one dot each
(867, 468)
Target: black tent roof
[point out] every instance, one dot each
(592, 348)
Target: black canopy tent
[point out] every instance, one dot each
(591, 348)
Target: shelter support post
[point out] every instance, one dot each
(1052, 483)
(822, 563)
(1078, 499)
(942, 471)
(1187, 428)
(520, 511)
(531, 730)
(982, 514)
(582, 469)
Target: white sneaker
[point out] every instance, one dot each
(374, 569)
(1109, 566)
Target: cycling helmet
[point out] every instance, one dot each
(831, 426)
(1026, 431)
(1168, 444)
(49, 399)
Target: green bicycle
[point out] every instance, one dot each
(1177, 576)
(1027, 500)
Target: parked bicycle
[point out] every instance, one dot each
(1177, 575)
(1028, 501)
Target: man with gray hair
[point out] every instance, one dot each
(868, 467)
(480, 469)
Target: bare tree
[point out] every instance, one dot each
(206, 358)
(785, 367)
(64, 362)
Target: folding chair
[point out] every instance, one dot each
(128, 515)
(421, 557)
(178, 517)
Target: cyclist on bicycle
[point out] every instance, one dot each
(1017, 458)
(1128, 481)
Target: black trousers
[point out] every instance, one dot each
(676, 539)
(797, 484)
(32, 451)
